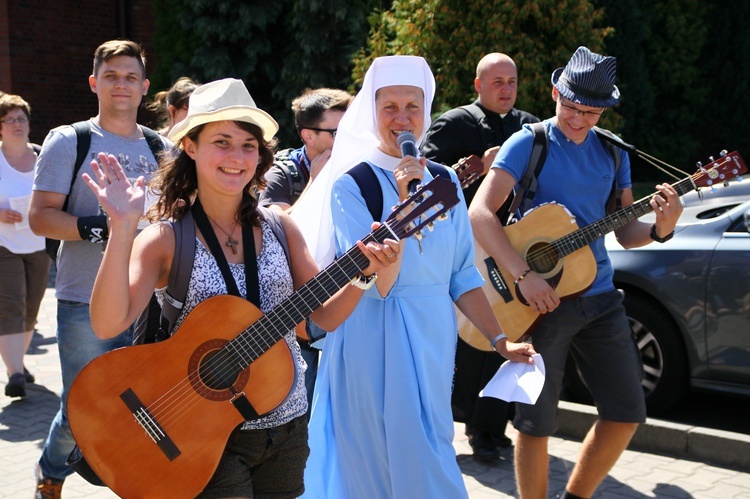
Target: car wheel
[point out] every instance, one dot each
(665, 376)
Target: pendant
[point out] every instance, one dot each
(232, 243)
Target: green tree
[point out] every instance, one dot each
(452, 35)
(665, 53)
(721, 119)
(277, 48)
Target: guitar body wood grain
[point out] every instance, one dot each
(570, 276)
(197, 418)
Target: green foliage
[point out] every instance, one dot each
(720, 120)
(453, 35)
(277, 48)
(683, 68)
(666, 52)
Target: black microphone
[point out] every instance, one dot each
(407, 143)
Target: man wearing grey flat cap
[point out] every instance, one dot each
(580, 174)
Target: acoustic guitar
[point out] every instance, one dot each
(553, 245)
(152, 420)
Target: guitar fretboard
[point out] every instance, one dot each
(590, 233)
(265, 332)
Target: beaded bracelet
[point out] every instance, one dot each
(520, 278)
(497, 338)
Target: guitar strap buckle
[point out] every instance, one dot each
(244, 407)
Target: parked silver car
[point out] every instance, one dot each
(688, 300)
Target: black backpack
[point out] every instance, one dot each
(156, 322)
(83, 143)
(294, 177)
(526, 189)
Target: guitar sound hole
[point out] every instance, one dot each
(542, 258)
(219, 369)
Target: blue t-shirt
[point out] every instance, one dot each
(579, 177)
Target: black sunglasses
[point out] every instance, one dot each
(332, 131)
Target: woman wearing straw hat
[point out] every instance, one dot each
(224, 152)
(381, 424)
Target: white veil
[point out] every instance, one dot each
(356, 137)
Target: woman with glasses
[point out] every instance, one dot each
(24, 266)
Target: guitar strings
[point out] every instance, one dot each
(403, 226)
(547, 256)
(173, 404)
(261, 329)
(194, 385)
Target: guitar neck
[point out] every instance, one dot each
(590, 233)
(255, 340)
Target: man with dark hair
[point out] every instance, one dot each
(479, 128)
(317, 113)
(580, 174)
(63, 208)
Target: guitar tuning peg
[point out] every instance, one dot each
(711, 158)
(739, 178)
(699, 166)
(723, 153)
(713, 188)
(726, 183)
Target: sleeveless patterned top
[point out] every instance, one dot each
(276, 285)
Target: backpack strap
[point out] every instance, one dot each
(369, 187)
(179, 274)
(274, 221)
(438, 170)
(528, 184)
(83, 143)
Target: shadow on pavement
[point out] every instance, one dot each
(29, 418)
(38, 341)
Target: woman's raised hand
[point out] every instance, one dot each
(121, 200)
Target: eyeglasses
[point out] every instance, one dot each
(332, 131)
(576, 111)
(13, 121)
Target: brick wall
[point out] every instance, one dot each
(50, 48)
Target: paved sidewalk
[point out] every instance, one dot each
(665, 466)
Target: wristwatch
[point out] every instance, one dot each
(660, 239)
(364, 281)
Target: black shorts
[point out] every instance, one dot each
(267, 463)
(596, 331)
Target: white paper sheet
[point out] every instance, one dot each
(21, 205)
(517, 382)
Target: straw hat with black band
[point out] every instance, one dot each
(223, 100)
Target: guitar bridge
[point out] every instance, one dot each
(496, 278)
(150, 425)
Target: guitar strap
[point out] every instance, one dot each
(252, 284)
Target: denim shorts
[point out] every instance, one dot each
(596, 331)
(262, 463)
